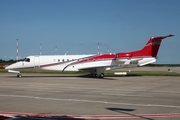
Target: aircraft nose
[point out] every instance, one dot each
(12, 66)
(7, 67)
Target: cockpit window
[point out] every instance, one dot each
(26, 60)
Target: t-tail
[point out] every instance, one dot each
(146, 55)
(150, 49)
(152, 46)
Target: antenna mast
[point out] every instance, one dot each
(66, 52)
(40, 48)
(108, 49)
(55, 50)
(17, 50)
(98, 48)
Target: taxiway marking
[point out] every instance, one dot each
(90, 101)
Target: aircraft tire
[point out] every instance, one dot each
(101, 75)
(19, 75)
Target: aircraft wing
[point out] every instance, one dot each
(92, 68)
(121, 63)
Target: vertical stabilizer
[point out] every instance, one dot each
(152, 46)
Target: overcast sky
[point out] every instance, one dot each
(78, 25)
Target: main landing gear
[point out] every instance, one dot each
(99, 75)
(98, 72)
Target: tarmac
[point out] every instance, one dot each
(75, 97)
(158, 69)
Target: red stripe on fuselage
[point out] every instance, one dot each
(96, 58)
(54, 64)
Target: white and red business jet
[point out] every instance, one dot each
(95, 64)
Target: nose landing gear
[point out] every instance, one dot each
(19, 75)
(16, 72)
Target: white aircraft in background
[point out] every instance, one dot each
(95, 64)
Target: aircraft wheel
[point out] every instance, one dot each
(19, 75)
(93, 75)
(102, 75)
(98, 75)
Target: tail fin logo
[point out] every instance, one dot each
(153, 43)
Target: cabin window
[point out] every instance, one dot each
(27, 60)
(58, 60)
(62, 60)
